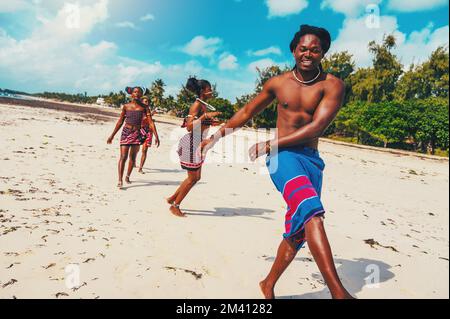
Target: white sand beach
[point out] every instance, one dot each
(387, 215)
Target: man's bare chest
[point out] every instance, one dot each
(297, 98)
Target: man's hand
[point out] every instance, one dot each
(109, 141)
(157, 141)
(258, 150)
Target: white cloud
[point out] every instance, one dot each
(40, 64)
(37, 64)
(72, 22)
(418, 46)
(228, 61)
(270, 50)
(148, 17)
(261, 64)
(126, 24)
(415, 5)
(94, 52)
(14, 5)
(282, 8)
(201, 46)
(351, 8)
(233, 88)
(355, 36)
(55, 57)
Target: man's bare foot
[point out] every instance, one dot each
(141, 171)
(127, 180)
(267, 290)
(175, 209)
(120, 184)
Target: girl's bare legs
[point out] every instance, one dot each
(124, 150)
(143, 158)
(176, 199)
(134, 149)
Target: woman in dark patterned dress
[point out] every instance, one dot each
(132, 136)
(197, 124)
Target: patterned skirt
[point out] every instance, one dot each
(130, 137)
(188, 148)
(149, 139)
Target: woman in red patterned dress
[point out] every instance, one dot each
(131, 138)
(197, 124)
(148, 141)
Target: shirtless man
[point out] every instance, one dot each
(308, 101)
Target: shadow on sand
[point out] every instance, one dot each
(353, 274)
(140, 183)
(162, 170)
(231, 212)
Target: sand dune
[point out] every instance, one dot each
(387, 214)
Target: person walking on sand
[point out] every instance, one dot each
(132, 135)
(308, 101)
(197, 124)
(149, 137)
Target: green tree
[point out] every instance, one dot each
(184, 100)
(385, 121)
(157, 93)
(348, 121)
(169, 103)
(340, 64)
(429, 79)
(224, 106)
(116, 99)
(377, 83)
(432, 122)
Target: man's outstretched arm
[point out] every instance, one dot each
(255, 106)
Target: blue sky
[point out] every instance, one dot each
(103, 45)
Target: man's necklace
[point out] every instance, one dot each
(307, 82)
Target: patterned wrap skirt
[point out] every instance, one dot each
(188, 150)
(130, 137)
(149, 137)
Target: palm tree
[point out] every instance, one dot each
(157, 93)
